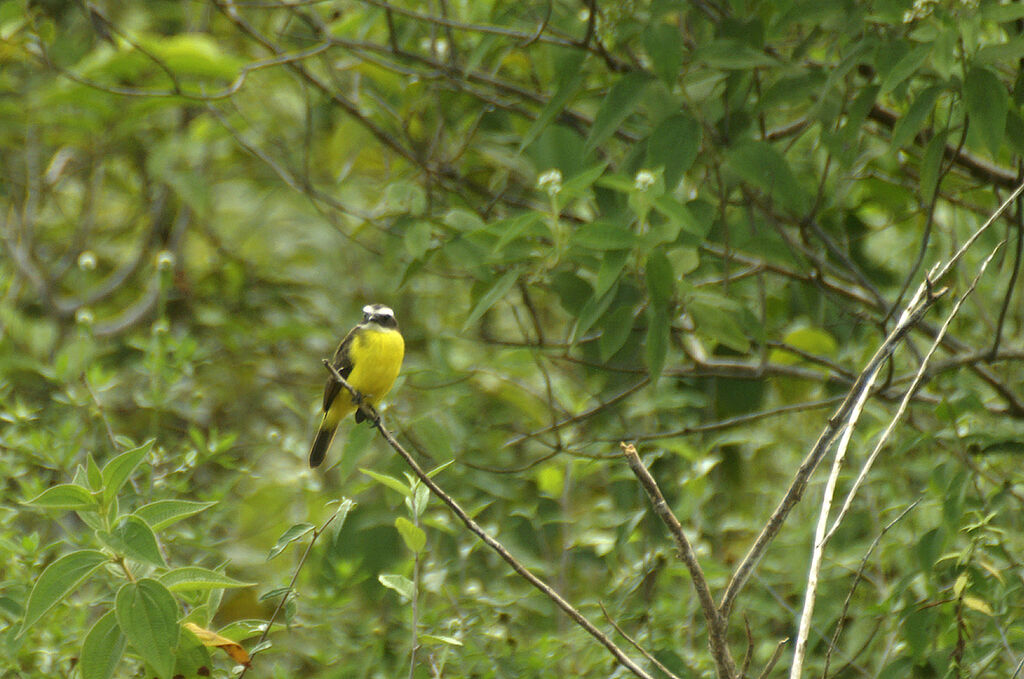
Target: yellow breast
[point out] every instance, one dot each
(376, 359)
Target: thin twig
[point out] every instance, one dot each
(909, 394)
(317, 532)
(856, 580)
(774, 659)
(644, 652)
(486, 538)
(716, 624)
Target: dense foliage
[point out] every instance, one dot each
(685, 225)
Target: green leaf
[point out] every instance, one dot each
(929, 548)
(660, 279)
(132, 537)
(762, 165)
(57, 580)
(389, 481)
(194, 54)
(102, 648)
(656, 344)
(489, 298)
(664, 45)
(603, 236)
(163, 513)
(93, 473)
(148, 616)
(615, 331)
(987, 104)
(621, 100)
(905, 67)
(931, 164)
(399, 583)
(289, 536)
(612, 264)
(680, 216)
(715, 317)
(64, 496)
(732, 54)
(909, 125)
(117, 471)
(414, 537)
(193, 578)
(674, 144)
(593, 310)
(570, 80)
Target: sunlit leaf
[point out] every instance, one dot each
(211, 639)
(102, 648)
(58, 580)
(148, 617)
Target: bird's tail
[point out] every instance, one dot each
(321, 443)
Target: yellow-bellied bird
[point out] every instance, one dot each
(369, 359)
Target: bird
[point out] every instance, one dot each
(369, 358)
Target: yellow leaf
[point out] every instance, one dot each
(214, 640)
(976, 604)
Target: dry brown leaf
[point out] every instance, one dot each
(213, 640)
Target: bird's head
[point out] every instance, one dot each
(380, 315)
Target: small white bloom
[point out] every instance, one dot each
(164, 260)
(550, 182)
(644, 180)
(87, 260)
(84, 317)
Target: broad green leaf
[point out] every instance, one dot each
(389, 481)
(905, 67)
(194, 54)
(148, 616)
(612, 264)
(593, 310)
(570, 81)
(929, 548)
(93, 473)
(680, 216)
(656, 344)
(64, 496)
(117, 471)
(987, 104)
(399, 583)
(102, 648)
(414, 537)
(615, 331)
(58, 580)
(132, 537)
(674, 144)
(660, 280)
(498, 289)
(294, 533)
(190, 578)
(340, 515)
(919, 630)
(580, 182)
(603, 236)
(664, 45)
(931, 164)
(163, 513)
(910, 124)
(716, 321)
(811, 340)
(621, 100)
(762, 165)
(732, 54)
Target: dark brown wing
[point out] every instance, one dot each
(343, 364)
